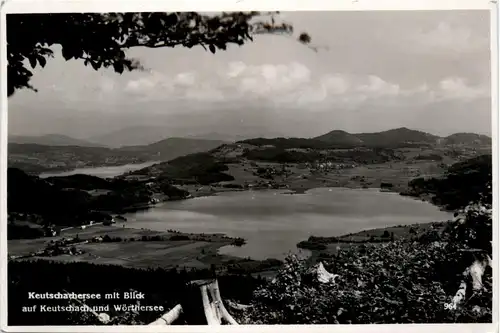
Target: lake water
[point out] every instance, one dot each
(273, 222)
(103, 172)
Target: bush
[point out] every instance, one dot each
(179, 237)
(23, 232)
(464, 182)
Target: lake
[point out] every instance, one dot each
(103, 172)
(273, 222)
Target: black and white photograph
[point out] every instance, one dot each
(249, 168)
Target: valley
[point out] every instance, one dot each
(389, 161)
(243, 208)
(207, 167)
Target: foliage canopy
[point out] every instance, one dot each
(101, 39)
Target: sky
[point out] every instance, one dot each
(425, 70)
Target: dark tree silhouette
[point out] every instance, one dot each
(101, 39)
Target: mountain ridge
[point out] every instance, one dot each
(169, 148)
(467, 138)
(35, 158)
(400, 136)
(51, 140)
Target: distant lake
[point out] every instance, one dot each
(273, 222)
(103, 172)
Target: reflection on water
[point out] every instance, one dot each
(273, 222)
(103, 172)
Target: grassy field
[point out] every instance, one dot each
(329, 246)
(149, 254)
(199, 251)
(364, 176)
(22, 247)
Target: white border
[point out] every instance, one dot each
(38, 6)
(495, 70)
(32, 6)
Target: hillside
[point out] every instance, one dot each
(467, 139)
(394, 138)
(386, 160)
(51, 140)
(397, 137)
(340, 137)
(36, 158)
(463, 182)
(401, 137)
(72, 199)
(333, 147)
(173, 147)
(288, 143)
(217, 136)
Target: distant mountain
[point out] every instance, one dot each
(339, 137)
(218, 136)
(148, 134)
(173, 147)
(52, 140)
(40, 158)
(391, 138)
(254, 160)
(132, 136)
(396, 137)
(466, 138)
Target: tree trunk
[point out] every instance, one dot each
(169, 317)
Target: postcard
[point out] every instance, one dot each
(193, 165)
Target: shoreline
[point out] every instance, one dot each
(184, 253)
(299, 185)
(291, 191)
(290, 186)
(62, 172)
(139, 248)
(208, 254)
(304, 190)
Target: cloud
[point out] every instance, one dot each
(447, 38)
(335, 84)
(269, 79)
(296, 83)
(457, 88)
(139, 85)
(379, 87)
(146, 84)
(185, 79)
(293, 84)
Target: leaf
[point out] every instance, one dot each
(118, 66)
(171, 19)
(32, 60)
(42, 60)
(65, 53)
(304, 38)
(95, 65)
(104, 35)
